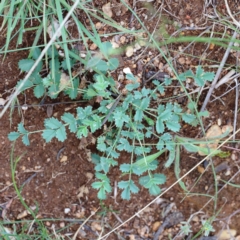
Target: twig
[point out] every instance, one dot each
(111, 109)
(230, 14)
(218, 72)
(225, 79)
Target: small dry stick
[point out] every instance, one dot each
(236, 110)
(218, 72)
(76, 233)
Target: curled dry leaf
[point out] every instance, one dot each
(226, 128)
(64, 81)
(52, 28)
(212, 132)
(96, 226)
(107, 9)
(25, 213)
(82, 190)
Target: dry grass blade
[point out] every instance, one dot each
(218, 72)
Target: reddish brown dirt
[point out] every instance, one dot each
(56, 184)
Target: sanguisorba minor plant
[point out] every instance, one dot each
(131, 119)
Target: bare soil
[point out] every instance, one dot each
(55, 185)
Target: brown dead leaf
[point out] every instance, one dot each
(155, 226)
(107, 9)
(82, 190)
(64, 158)
(83, 143)
(98, 99)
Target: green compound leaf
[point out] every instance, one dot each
(25, 64)
(12, 136)
(160, 144)
(105, 164)
(82, 131)
(52, 123)
(73, 91)
(112, 152)
(61, 134)
(137, 95)
(101, 146)
(138, 115)
(35, 53)
(21, 129)
(92, 62)
(201, 76)
(113, 63)
(166, 137)
(25, 140)
(159, 125)
(130, 76)
(102, 66)
(131, 86)
(151, 182)
(48, 134)
(39, 91)
(188, 118)
(120, 118)
(90, 93)
(125, 167)
(184, 76)
(148, 167)
(173, 126)
(27, 84)
(145, 103)
(106, 48)
(103, 186)
(171, 158)
(97, 185)
(101, 83)
(95, 158)
(128, 186)
(124, 145)
(83, 113)
(69, 119)
(165, 115)
(128, 134)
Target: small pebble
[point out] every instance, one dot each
(181, 60)
(122, 39)
(62, 225)
(129, 51)
(93, 47)
(67, 210)
(233, 157)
